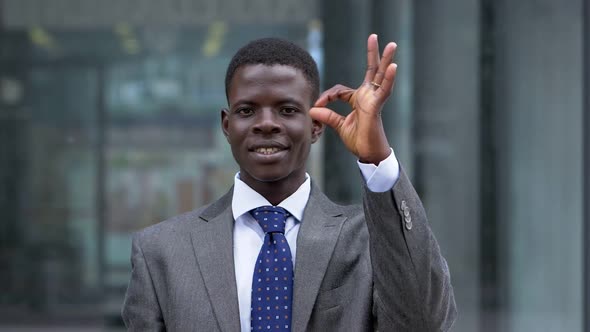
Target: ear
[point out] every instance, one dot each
(225, 122)
(317, 129)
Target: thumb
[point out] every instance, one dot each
(327, 116)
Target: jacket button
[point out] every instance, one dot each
(408, 225)
(408, 219)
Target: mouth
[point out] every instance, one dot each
(268, 150)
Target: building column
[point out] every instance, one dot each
(346, 28)
(540, 112)
(446, 139)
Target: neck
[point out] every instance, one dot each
(274, 191)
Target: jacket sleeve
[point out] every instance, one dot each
(411, 281)
(141, 310)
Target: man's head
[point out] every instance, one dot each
(275, 51)
(271, 84)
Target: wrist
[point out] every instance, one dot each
(377, 157)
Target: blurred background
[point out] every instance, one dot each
(109, 122)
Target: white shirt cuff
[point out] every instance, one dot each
(383, 177)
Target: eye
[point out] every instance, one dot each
(245, 111)
(287, 110)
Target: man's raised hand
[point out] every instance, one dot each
(362, 130)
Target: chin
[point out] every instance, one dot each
(269, 176)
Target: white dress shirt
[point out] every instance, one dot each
(248, 236)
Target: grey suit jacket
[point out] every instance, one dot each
(375, 267)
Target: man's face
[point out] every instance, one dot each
(268, 125)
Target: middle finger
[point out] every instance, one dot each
(386, 59)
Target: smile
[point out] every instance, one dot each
(267, 151)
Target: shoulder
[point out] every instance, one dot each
(351, 211)
(173, 223)
(322, 201)
(349, 216)
(179, 225)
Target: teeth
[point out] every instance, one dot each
(267, 150)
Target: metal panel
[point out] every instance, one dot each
(539, 101)
(586, 204)
(446, 139)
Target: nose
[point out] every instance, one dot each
(266, 122)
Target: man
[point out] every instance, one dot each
(274, 253)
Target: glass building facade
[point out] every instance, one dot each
(110, 122)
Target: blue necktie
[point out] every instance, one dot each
(272, 285)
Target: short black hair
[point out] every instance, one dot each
(275, 51)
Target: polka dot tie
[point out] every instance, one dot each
(272, 285)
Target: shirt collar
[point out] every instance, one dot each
(245, 199)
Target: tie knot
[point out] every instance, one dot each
(272, 219)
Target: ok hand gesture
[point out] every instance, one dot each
(362, 130)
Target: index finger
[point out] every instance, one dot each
(337, 92)
(372, 58)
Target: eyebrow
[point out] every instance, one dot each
(243, 102)
(289, 101)
(279, 102)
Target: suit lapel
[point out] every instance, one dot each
(316, 240)
(212, 240)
